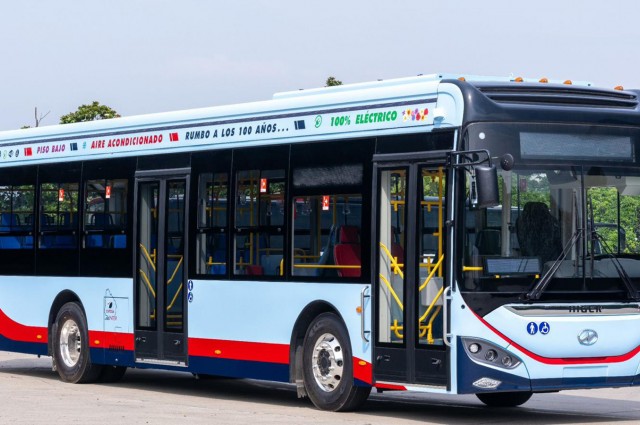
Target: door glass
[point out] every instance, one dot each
(393, 185)
(147, 255)
(430, 255)
(174, 255)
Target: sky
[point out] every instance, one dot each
(145, 56)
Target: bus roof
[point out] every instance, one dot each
(398, 106)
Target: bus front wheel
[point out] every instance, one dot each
(508, 399)
(328, 368)
(71, 346)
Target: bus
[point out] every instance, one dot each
(438, 233)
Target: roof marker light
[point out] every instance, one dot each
(519, 80)
(620, 88)
(543, 80)
(461, 79)
(567, 82)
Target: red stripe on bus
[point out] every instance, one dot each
(394, 387)
(362, 370)
(239, 350)
(17, 332)
(562, 360)
(111, 340)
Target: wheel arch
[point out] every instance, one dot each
(61, 299)
(308, 314)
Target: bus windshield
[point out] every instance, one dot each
(575, 228)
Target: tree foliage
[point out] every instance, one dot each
(332, 81)
(92, 112)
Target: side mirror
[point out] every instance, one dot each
(484, 178)
(484, 186)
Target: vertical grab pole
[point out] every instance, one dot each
(363, 297)
(445, 314)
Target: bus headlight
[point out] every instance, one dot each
(485, 352)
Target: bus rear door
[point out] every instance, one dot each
(160, 327)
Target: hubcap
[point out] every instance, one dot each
(328, 362)
(70, 343)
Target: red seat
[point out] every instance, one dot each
(347, 251)
(254, 270)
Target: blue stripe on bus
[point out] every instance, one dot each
(240, 368)
(39, 348)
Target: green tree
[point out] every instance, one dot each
(92, 112)
(332, 81)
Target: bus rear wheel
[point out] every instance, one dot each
(508, 399)
(71, 346)
(328, 368)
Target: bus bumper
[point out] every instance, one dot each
(474, 377)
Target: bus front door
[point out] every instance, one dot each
(410, 272)
(160, 328)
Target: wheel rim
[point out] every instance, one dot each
(328, 362)
(70, 343)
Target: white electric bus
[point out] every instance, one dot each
(436, 234)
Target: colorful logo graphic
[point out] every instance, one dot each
(415, 114)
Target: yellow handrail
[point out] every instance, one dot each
(472, 269)
(148, 282)
(175, 297)
(433, 271)
(393, 261)
(435, 299)
(146, 254)
(430, 339)
(175, 271)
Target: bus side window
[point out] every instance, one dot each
(16, 212)
(259, 222)
(59, 215)
(326, 236)
(105, 214)
(213, 192)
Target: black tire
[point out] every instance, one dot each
(111, 374)
(507, 399)
(327, 366)
(71, 346)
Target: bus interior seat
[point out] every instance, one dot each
(119, 241)
(7, 220)
(538, 232)
(489, 242)
(101, 220)
(271, 264)
(10, 242)
(327, 257)
(254, 270)
(217, 251)
(347, 251)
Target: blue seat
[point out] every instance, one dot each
(10, 242)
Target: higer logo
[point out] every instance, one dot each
(588, 337)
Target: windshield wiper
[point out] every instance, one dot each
(538, 289)
(631, 291)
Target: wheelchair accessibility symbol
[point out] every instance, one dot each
(543, 327)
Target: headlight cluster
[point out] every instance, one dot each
(485, 352)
